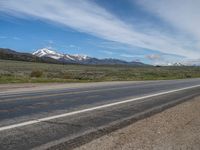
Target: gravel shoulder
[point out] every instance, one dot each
(172, 129)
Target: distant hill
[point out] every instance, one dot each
(50, 56)
(9, 54)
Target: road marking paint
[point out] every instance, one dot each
(31, 122)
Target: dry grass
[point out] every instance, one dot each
(23, 72)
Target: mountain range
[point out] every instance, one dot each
(9, 54)
(80, 59)
(50, 56)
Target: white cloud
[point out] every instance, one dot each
(50, 41)
(87, 16)
(16, 38)
(192, 62)
(132, 56)
(153, 56)
(181, 14)
(107, 52)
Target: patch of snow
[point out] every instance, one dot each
(45, 52)
(69, 57)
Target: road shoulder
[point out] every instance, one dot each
(174, 128)
(27, 87)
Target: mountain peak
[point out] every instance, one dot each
(81, 57)
(45, 52)
(175, 64)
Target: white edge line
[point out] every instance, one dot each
(90, 109)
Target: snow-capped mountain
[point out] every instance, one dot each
(45, 52)
(178, 64)
(175, 64)
(80, 59)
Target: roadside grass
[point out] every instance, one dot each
(30, 72)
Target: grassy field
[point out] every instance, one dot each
(24, 72)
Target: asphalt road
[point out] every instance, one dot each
(68, 117)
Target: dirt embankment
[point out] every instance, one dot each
(175, 128)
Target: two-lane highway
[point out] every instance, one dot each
(67, 117)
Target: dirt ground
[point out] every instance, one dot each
(177, 128)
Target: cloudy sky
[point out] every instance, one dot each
(151, 31)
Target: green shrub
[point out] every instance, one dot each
(36, 73)
(188, 76)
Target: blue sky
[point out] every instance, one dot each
(151, 31)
